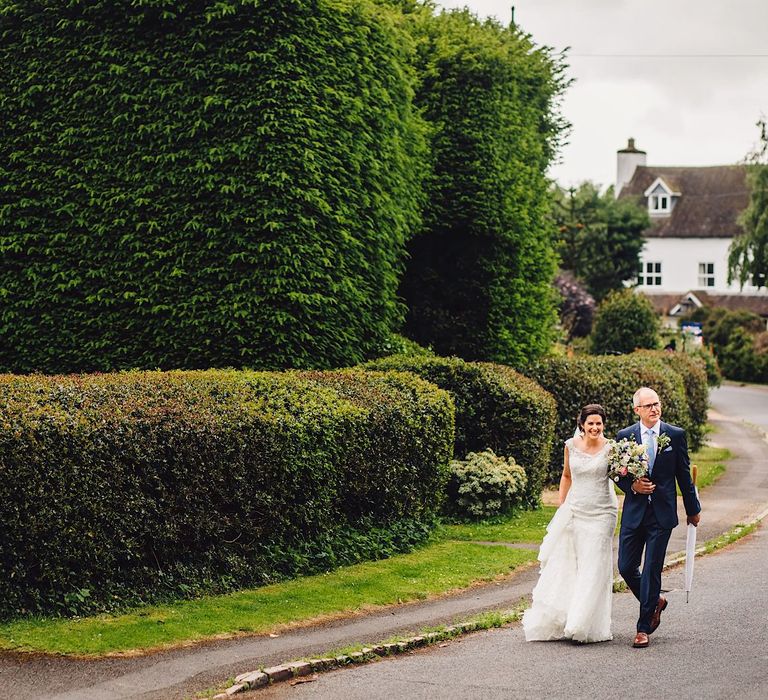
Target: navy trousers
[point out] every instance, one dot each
(645, 585)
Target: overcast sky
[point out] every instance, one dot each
(688, 79)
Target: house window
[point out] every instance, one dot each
(659, 203)
(649, 274)
(706, 274)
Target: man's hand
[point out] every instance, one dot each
(643, 486)
(694, 519)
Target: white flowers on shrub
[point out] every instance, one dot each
(484, 484)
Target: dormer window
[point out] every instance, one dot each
(660, 198)
(660, 203)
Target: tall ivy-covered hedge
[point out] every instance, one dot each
(198, 183)
(479, 280)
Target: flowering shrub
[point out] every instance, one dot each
(485, 484)
(577, 307)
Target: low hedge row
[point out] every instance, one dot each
(496, 408)
(126, 488)
(610, 381)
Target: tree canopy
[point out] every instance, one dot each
(600, 238)
(748, 255)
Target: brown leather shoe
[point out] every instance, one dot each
(661, 606)
(641, 640)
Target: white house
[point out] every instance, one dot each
(694, 217)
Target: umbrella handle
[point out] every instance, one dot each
(694, 473)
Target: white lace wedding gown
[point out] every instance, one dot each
(572, 599)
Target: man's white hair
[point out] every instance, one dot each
(636, 395)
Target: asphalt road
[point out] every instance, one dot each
(180, 673)
(746, 401)
(714, 647)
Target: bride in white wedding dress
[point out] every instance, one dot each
(572, 599)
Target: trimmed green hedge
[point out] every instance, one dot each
(121, 489)
(694, 373)
(496, 408)
(195, 184)
(610, 381)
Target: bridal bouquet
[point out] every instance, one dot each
(627, 458)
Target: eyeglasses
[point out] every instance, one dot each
(649, 406)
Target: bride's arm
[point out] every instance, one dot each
(565, 479)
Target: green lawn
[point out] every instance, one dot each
(432, 570)
(528, 526)
(711, 462)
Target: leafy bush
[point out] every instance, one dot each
(122, 489)
(478, 283)
(611, 382)
(397, 344)
(625, 321)
(497, 408)
(735, 338)
(484, 485)
(744, 358)
(719, 325)
(711, 366)
(197, 184)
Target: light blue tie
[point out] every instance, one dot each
(650, 449)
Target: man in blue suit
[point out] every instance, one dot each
(650, 508)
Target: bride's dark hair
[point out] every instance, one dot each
(591, 409)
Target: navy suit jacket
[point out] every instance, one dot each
(670, 465)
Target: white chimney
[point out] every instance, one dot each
(627, 159)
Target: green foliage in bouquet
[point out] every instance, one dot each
(192, 183)
(478, 283)
(496, 408)
(129, 488)
(484, 485)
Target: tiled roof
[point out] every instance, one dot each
(663, 303)
(711, 200)
(756, 303)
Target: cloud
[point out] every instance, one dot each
(651, 69)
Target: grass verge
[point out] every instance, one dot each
(711, 463)
(527, 526)
(431, 571)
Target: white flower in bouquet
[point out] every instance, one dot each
(627, 458)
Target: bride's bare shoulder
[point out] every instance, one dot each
(574, 443)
